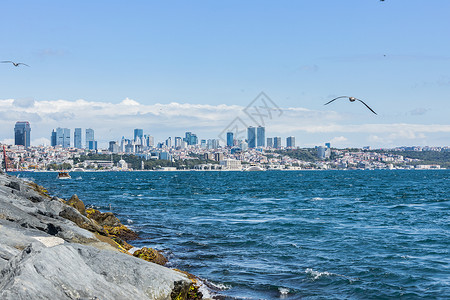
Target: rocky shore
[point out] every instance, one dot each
(51, 248)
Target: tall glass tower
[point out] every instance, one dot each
(139, 135)
(230, 139)
(61, 137)
(290, 142)
(22, 134)
(251, 137)
(90, 140)
(77, 138)
(261, 136)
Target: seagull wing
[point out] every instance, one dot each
(23, 64)
(7, 61)
(335, 99)
(366, 105)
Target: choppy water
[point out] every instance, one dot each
(290, 235)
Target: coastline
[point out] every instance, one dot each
(56, 248)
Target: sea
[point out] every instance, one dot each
(350, 234)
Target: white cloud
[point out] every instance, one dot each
(338, 140)
(7, 141)
(111, 121)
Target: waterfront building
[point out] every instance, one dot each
(218, 156)
(261, 136)
(277, 142)
(77, 138)
(290, 142)
(230, 139)
(251, 137)
(22, 134)
(269, 143)
(231, 164)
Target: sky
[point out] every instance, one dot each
(174, 66)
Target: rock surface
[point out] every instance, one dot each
(45, 255)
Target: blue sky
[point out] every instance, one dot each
(183, 63)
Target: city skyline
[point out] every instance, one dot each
(201, 79)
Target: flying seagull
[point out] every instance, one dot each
(352, 99)
(14, 63)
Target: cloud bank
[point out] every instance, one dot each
(111, 121)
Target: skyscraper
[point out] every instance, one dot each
(90, 140)
(261, 136)
(290, 142)
(77, 138)
(22, 134)
(138, 135)
(178, 142)
(61, 137)
(277, 142)
(230, 139)
(251, 137)
(269, 142)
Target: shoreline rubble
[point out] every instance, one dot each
(52, 248)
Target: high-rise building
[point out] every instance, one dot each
(277, 142)
(290, 142)
(203, 144)
(178, 142)
(22, 134)
(61, 137)
(138, 135)
(230, 139)
(77, 138)
(261, 136)
(251, 137)
(169, 142)
(328, 145)
(90, 140)
(53, 138)
(323, 152)
(269, 143)
(191, 138)
(150, 141)
(113, 147)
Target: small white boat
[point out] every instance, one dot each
(64, 175)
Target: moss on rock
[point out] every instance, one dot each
(150, 255)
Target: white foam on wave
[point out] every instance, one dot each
(317, 199)
(283, 291)
(316, 275)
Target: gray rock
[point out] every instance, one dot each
(44, 255)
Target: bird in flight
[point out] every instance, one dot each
(14, 63)
(352, 99)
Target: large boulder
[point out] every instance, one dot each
(75, 202)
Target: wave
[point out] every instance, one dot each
(316, 275)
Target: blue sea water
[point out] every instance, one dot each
(291, 235)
